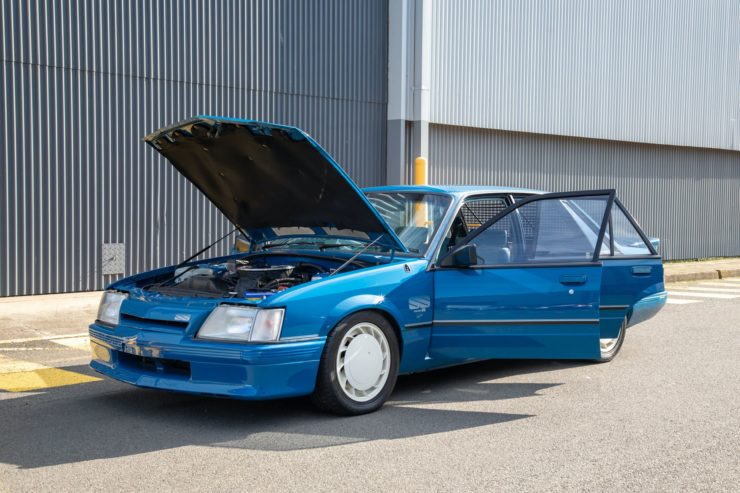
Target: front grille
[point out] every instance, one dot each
(151, 322)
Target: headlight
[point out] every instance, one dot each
(110, 307)
(242, 323)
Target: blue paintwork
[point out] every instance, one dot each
(246, 372)
(443, 316)
(625, 283)
(486, 310)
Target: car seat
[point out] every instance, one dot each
(492, 246)
(458, 231)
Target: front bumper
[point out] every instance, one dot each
(178, 363)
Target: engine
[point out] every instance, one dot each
(237, 279)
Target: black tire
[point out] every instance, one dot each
(328, 394)
(609, 355)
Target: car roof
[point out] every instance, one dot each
(456, 190)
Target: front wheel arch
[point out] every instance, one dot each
(330, 393)
(389, 318)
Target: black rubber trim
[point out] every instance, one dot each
(530, 265)
(417, 325)
(579, 321)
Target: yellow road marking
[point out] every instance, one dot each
(23, 376)
(41, 379)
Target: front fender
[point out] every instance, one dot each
(403, 290)
(362, 302)
(314, 308)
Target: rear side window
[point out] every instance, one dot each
(478, 211)
(627, 241)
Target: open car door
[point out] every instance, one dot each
(632, 287)
(526, 284)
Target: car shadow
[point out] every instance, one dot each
(108, 419)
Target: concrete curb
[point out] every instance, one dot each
(729, 273)
(692, 276)
(702, 275)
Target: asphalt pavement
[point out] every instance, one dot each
(663, 416)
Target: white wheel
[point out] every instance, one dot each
(359, 365)
(363, 362)
(609, 347)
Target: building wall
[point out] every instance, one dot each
(689, 198)
(84, 81)
(659, 71)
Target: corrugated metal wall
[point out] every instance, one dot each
(690, 198)
(663, 71)
(84, 81)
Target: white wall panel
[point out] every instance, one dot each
(658, 71)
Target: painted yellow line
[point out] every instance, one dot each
(23, 376)
(41, 379)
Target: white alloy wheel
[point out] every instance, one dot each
(607, 345)
(363, 362)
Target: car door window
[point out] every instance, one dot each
(627, 240)
(544, 230)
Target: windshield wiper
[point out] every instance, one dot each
(267, 246)
(326, 246)
(319, 246)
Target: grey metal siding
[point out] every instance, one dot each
(83, 81)
(689, 198)
(659, 71)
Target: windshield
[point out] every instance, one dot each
(414, 217)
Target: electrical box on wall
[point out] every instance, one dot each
(113, 258)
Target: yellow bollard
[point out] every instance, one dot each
(421, 216)
(420, 171)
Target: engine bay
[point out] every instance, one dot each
(251, 279)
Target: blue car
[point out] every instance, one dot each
(340, 290)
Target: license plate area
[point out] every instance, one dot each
(155, 365)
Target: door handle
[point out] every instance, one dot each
(642, 270)
(573, 280)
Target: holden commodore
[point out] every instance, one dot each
(338, 290)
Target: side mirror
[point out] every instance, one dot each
(655, 242)
(465, 256)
